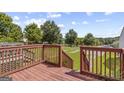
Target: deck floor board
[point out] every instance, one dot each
(47, 72)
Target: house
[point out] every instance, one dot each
(121, 40)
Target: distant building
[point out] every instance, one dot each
(121, 40)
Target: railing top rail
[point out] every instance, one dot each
(22, 46)
(102, 48)
(49, 45)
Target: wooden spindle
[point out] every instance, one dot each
(92, 61)
(110, 64)
(81, 60)
(120, 60)
(105, 65)
(100, 62)
(96, 62)
(114, 64)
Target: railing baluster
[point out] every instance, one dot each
(25, 53)
(85, 68)
(89, 56)
(105, 65)
(92, 61)
(109, 64)
(50, 54)
(15, 59)
(96, 62)
(22, 53)
(37, 54)
(0, 61)
(13, 67)
(10, 60)
(114, 64)
(5, 60)
(81, 60)
(18, 53)
(100, 62)
(120, 66)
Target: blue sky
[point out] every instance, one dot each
(101, 24)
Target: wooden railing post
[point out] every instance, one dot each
(60, 56)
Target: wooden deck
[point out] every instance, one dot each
(48, 72)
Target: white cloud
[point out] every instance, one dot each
(37, 21)
(26, 17)
(16, 22)
(73, 23)
(53, 15)
(16, 18)
(101, 20)
(121, 27)
(89, 13)
(107, 13)
(61, 25)
(85, 22)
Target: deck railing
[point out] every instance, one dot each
(104, 63)
(13, 59)
(17, 58)
(67, 61)
(53, 54)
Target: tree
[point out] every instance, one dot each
(5, 23)
(97, 42)
(89, 39)
(33, 33)
(60, 40)
(15, 33)
(70, 37)
(51, 32)
(9, 32)
(79, 41)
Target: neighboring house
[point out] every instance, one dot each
(121, 40)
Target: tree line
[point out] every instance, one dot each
(49, 32)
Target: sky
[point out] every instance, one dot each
(100, 24)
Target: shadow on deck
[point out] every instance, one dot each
(48, 72)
